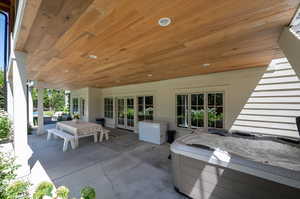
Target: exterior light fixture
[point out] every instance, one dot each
(165, 21)
(150, 75)
(92, 56)
(205, 65)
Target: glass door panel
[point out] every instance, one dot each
(125, 113)
(130, 112)
(121, 112)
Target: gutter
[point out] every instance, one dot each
(6, 50)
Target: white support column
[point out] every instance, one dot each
(30, 107)
(19, 77)
(40, 130)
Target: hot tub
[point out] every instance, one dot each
(216, 167)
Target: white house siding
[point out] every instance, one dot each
(237, 86)
(274, 104)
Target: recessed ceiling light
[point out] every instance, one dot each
(150, 75)
(205, 65)
(92, 56)
(165, 21)
(66, 71)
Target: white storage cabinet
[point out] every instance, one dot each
(153, 131)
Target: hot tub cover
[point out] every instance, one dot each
(264, 158)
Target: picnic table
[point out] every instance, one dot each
(80, 129)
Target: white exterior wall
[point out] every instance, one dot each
(95, 104)
(274, 103)
(81, 94)
(92, 97)
(237, 86)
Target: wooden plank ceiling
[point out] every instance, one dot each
(5, 5)
(131, 47)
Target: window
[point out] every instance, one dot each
(75, 105)
(182, 111)
(197, 110)
(82, 106)
(108, 107)
(145, 108)
(215, 110)
(200, 110)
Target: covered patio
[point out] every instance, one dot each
(121, 168)
(191, 67)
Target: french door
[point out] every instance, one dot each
(126, 113)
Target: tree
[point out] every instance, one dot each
(54, 99)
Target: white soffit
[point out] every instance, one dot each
(295, 24)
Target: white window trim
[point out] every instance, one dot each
(205, 108)
(77, 105)
(82, 109)
(144, 104)
(113, 107)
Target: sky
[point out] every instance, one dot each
(2, 30)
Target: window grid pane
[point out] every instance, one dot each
(108, 107)
(197, 110)
(145, 108)
(82, 107)
(215, 110)
(182, 111)
(193, 107)
(75, 105)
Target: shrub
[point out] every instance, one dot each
(46, 189)
(66, 110)
(88, 193)
(10, 189)
(5, 128)
(62, 192)
(43, 189)
(7, 173)
(19, 189)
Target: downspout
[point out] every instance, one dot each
(5, 59)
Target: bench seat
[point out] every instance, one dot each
(67, 138)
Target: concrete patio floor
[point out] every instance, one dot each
(121, 168)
